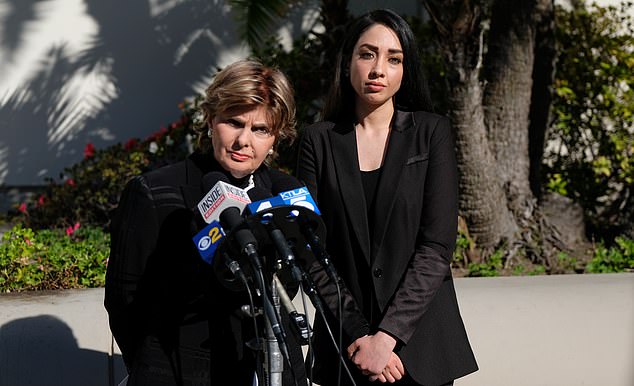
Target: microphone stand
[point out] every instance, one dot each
(274, 362)
(242, 241)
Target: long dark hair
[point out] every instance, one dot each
(413, 95)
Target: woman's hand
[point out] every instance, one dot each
(393, 372)
(371, 353)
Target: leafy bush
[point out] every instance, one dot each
(492, 267)
(74, 257)
(309, 77)
(619, 258)
(87, 191)
(591, 153)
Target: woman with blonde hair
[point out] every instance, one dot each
(173, 320)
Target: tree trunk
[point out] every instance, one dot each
(492, 120)
(480, 186)
(334, 18)
(458, 23)
(541, 99)
(507, 97)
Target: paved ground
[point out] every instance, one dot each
(550, 330)
(547, 330)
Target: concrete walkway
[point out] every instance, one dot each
(550, 330)
(546, 330)
(57, 338)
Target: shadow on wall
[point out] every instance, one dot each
(140, 64)
(42, 350)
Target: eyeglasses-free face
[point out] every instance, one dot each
(241, 140)
(376, 67)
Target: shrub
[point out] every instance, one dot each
(74, 257)
(492, 267)
(618, 258)
(87, 192)
(591, 153)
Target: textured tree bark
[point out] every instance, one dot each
(541, 98)
(490, 102)
(507, 97)
(482, 199)
(510, 71)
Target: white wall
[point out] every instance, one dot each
(73, 72)
(80, 71)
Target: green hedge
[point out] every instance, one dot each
(75, 257)
(618, 258)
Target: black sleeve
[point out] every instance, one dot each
(307, 166)
(354, 323)
(430, 263)
(134, 233)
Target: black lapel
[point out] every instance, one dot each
(401, 138)
(344, 149)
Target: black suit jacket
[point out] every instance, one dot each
(404, 266)
(173, 319)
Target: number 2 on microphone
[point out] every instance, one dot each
(215, 234)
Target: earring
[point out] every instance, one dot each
(271, 151)
(209, 133)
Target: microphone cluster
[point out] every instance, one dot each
(222, 196)
(257, 238)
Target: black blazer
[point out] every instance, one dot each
(173, 320)
(404, 266)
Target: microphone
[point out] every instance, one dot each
(270, 213)
(234, 267)
(283, 250)
(301, 326)
(257, 193)
(299, 323)
(275, 234)
(220, 196)
(231, 220)
(319, 251)
(293, 214)
(298, 197)
(281, 182)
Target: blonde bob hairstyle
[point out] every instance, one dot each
(244, 85)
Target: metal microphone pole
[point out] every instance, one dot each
(273, 356)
